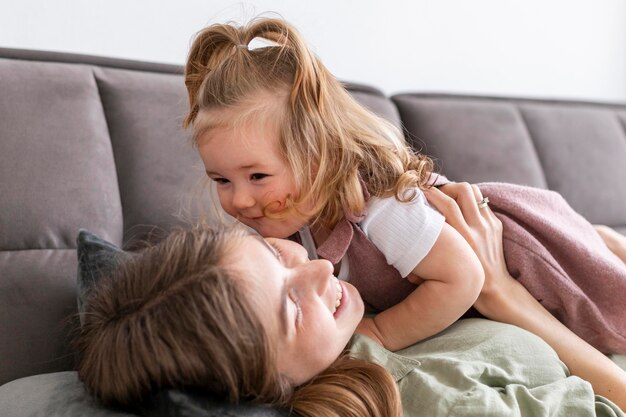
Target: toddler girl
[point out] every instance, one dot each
(294, 155)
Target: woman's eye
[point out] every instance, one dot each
(277, 249)
(258, 176)
(293, 296)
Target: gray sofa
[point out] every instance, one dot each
(97, 143)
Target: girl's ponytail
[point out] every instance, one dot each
(288, 61)
(309, 78)
(211, 46)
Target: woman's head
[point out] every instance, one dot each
(216, 311)
(306, 311)
(282, 99)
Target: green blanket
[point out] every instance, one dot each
(479, 367)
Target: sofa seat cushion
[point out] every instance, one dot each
(51, 395)
(62, 394)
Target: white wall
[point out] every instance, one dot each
(544, 48)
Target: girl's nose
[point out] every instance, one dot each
(242, 199)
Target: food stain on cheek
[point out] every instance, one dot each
(273, 207)
(276, 206)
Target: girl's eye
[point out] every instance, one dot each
(220, 181)
(258, 176)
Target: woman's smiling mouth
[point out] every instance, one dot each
(341, 297)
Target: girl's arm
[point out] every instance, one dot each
(505, 299)
(450, 280)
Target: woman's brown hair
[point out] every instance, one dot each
(329, 140)
(173, 316)
(166, 318)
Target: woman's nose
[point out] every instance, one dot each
(316, 275)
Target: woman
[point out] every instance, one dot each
(247, 318)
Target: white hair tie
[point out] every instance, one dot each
(257, 43)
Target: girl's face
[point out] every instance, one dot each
(309, 313)
(251, 175)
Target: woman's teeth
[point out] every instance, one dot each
(339, 294)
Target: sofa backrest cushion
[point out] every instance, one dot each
(81, 146)
(57, 174)
(575, 148)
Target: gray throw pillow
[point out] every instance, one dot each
(96, 258)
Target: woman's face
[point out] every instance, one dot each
(309, 313)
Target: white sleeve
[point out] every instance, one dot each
(403, 232)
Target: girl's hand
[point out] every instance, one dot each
(458, 202)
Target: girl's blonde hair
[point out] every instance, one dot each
(330, 141)
(173, 317)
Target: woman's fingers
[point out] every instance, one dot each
(449, 208)
(459, 203)
(468, 197)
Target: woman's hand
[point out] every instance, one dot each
(504, 299)
(458, 202)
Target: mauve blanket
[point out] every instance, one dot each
(558, 256)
